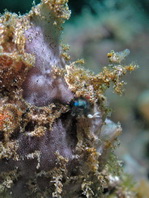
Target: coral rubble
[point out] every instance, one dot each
(55, 136)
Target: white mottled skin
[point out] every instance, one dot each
(71, 137)
(41, 88)
(42, 40)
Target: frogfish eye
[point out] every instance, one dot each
(79, 107)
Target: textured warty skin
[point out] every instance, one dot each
(55, 138)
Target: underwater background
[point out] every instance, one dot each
(95, 28)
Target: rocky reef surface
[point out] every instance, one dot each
(56, 139)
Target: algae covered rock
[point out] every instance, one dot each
(56, 139)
